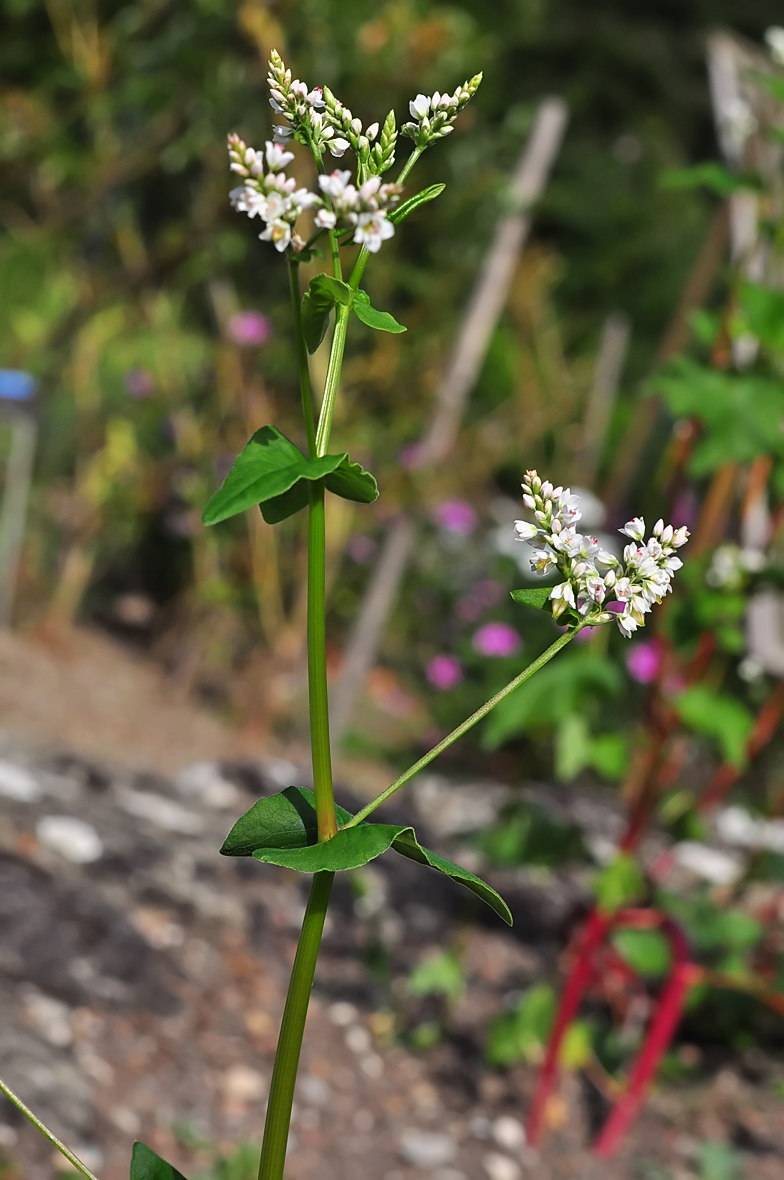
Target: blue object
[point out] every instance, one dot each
(17, 386)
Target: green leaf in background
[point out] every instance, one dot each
(282, 830)
(719, 1161)
(537, 596)
(719, 716)
(761, 313)
(619, 883)
(710, 175)
(521, 1035)
(422, 198)
(647, 952)
(321, 296)
(271, 470)
(561, 688)
(577, 1045)
(742, 415)
(576, 748)
(438, 975)
(146, 1165)
(382, 321)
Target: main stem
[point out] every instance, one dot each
(317, 665)
(446, 742)
(302, 358)
(284, 1073)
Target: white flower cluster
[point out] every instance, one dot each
(303, 109)
(364, 208)
(775, 39)
(641, 579)
(434, 117)
(270, 195)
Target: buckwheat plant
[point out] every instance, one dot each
(300, 828)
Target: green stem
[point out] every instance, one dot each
(47, 1134)
(284, 1073)
(409, 164)
(364, 254)
(302, 358)
(427, 758)
(333, 379)
(317, 665)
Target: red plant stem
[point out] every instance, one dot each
(579, 980)
(660, 1033)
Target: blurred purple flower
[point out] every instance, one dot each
(224, 464)
(362, 549)
(583, 635)
(485, 594)
(249, 329)
(409, 455)
(139, 383)
(685, 509)
(615, 608)
(644, 660)
(496, 639)
(456, 516)
(444, 672)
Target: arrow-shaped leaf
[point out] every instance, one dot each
(146, 1165)
(272, 472)
(382, 321)
(321, 296)
(282, 830)
(537, 596)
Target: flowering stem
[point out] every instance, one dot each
(452, 737)
(317, 665)
(302, 358)
(333, 379)
(284, 1073)
(47, 1134)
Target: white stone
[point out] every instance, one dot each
(50, 1018)
(709, 863)
(162, 812)
(357, 1039)
(500, 1167)
(426, 1149)
(372, 1065)
(204, 782)
(509, 1133)
(8, 1136)
(313, 1090)
(342, 1013)
(241, 1083)
(71, 838)
(18, 784)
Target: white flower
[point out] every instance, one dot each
(419, 106)
(775, 39)
(373, 229)
(626, 625)
(277, 158)
(278, 232)
(338, 146)
(335, 184)
(325, 219)
(372, 131)
(282, 134)
(525, 531)
(634, 528)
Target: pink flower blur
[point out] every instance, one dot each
(444, 672)
(139, 383)
(485, 594)
(456, 516)
(644, 660)
(496, 639)
(249, 329)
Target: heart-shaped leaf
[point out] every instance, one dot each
(317, 303)
(146, 1165)
(273, 472)
(537, 596)
(427, 194)
(382, 321)
(282, 830)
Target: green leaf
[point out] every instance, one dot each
(282, 830)
(438, 975)
(647, 952)
(272, 472)
(382, 321)
(427, 194)
(711, 175)
(146, 1165)
(317, 303)
(537, 596)
(721, 717)
(619, 883)
(522, 1033)
(577, 1046)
